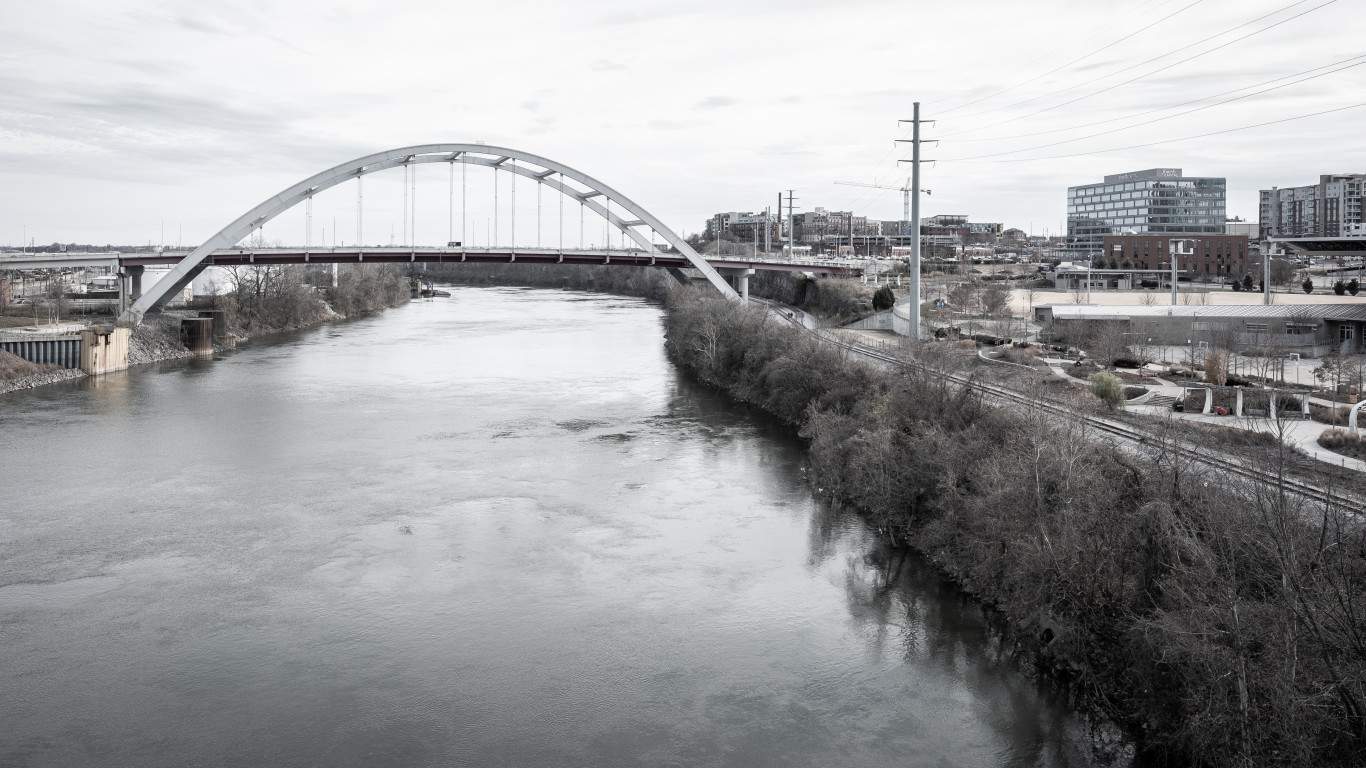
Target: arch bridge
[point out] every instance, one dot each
(629, 218)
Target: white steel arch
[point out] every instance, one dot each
(470, 154)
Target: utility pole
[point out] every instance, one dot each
(914, 265)
(780, 219)
(1178, 247)
(791, 228)
(1266, 273)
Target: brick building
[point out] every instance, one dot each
(1214, 256)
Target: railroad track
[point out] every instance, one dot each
(1104, 426)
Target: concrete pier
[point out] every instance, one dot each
(104, 350)
(197, 334)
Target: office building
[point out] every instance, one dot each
(1330, 208)
(1155, 201)
(1213, 256)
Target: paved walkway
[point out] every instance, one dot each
(1301, 433)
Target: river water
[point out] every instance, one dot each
(495, 529)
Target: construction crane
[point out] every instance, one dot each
(904, 189)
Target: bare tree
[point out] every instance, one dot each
(1109, 341)
(995, 299)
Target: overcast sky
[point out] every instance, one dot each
(123, 119)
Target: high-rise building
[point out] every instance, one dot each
(1155, 201)
(1330, 208)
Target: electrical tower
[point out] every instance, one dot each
(791, 229)
(915, 142)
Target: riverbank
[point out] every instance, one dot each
(268, 301)
(1214, 630)
(17, 374)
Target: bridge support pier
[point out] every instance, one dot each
(130, 286)
(739, 278)
(134, 282)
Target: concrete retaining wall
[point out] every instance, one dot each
(882, 321)
(62, 350)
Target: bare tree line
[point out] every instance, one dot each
(1221, 622)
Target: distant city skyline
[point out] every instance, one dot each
(125, 140)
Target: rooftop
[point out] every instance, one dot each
(1355, 312)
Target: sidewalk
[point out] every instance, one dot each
(1302, 434)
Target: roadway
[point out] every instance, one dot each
(429, 255)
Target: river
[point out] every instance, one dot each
(494, 529)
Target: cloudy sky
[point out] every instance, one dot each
(127, 121)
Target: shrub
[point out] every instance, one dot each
(884, 298)
(1344, 442)
(1326, 415)
(1339, 288)
(1108, 388)
(1307, 285)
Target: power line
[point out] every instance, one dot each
(1166, 117)
(1149, 61)
(1077, 60)
(1133, 115)
(1182, 138)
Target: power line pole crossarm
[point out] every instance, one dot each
(792, 223)
(915, 141)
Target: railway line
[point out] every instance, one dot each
(1111, 429)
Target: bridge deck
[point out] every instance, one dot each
(400, 255)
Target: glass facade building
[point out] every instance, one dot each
(1156, 201)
